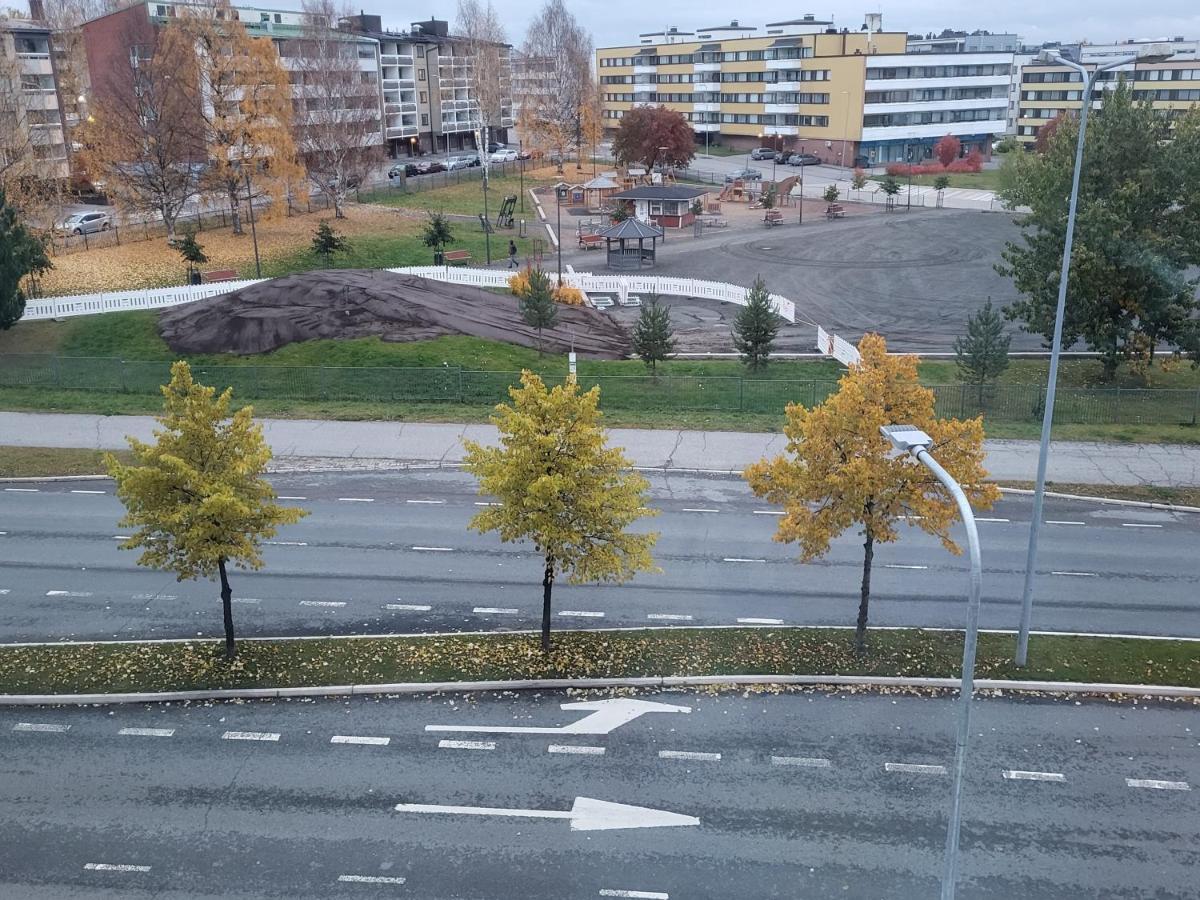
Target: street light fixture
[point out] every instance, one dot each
(1051, 57)
(560, 194)
(910, 439)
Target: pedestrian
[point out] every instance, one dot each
(512, 254)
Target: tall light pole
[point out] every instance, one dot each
(560, 191)
(910, 439)
(845, 130)
(253, 230)
(1047, 57)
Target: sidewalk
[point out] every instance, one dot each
(1169, 465)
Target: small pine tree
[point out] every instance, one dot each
(191, 251)
(890, 187)
(327, 242)
(437, 232)
(831, 194)
(982, 354)
(940, 184)
(652, 338)
(537, 305)
(755, 327)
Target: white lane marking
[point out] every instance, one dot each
(760, 621)
(246, 600)
(114, 867)
(120, 537)
(485, 503)
(637, 895)
(148, 732)
(742, 559)
(357, 499)
(288, 543)
(810, 762)
(1078, 574)
(155, 596)
(1019, 775)
(579, 749)
(432, 502)
(88, 492)
(22, 490)
(581, 614)
(360, 739)
(68, 593)
(700, 509)
(689, 754)
(410, 607)
(913, 518)
(281, 497)
(769, 512)
(435, 549)
(668, 617)
(983, 519)
(467, 745)
(1155, 784)
(1138, 525)
(914, 769)
(4, 590)
(250, 736)
(372, 879)
(495, 610)
(332, 604)
(898, 566)
(41, 726)
(1063, 522)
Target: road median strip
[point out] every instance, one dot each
(900, 658)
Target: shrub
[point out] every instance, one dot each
(567, 295)
(859, 179)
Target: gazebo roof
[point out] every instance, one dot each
(600, 182)
(631, 229)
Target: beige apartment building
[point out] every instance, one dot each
(32, 136)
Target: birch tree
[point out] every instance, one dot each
(489, 76)
(555, 114)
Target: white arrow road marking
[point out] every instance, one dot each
(606, 716)
(585, 814)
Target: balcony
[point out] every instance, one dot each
(706, 67)
(916, 84)
(645, 88)
(706, 107)
(706, 87)
(645, 70)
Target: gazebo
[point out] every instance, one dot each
(598, 190)
(625, 255)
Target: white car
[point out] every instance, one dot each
(458, 162)
(504, 155)
(85, 223)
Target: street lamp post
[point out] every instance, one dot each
(521, 166)
(560, 191)
(845, 129)
(253, 230)
(1039, 490)
(909, 439)
(773, 159)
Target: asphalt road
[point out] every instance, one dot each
(799, 795)
(390, 552)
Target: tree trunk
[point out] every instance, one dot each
(227, 610)
(860, 628)
(547, 586)
(338, 199)
(235, 212)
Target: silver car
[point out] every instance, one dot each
(85, 223)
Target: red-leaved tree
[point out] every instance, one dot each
(653, 134)
(947, 149)
(1045, 134)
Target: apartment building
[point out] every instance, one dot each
(425, 73)
(532, 76)
(1170, 83)
(32, 133)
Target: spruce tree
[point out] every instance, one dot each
(982, 354)
(755, 327)
(537, 305)
(21, 253)
(193, 254)
(327, 242)
(652, 338)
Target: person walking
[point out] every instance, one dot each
(512, 255)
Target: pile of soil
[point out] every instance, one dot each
(354, 303)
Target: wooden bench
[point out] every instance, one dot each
(590, 241)
(456, 256)
(835, 211)
(773, 217)
(218, 275)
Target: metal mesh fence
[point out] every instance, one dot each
(665, 393)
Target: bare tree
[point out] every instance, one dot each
(338, 122)
(487, 49)
(554, 113)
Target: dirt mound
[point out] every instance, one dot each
(353, 303)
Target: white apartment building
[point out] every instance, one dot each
(32, 137)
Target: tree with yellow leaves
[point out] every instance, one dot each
(560, 486)
(839, 471)
(197, 495)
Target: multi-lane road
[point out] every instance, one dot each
(391, 552)
(798, 795)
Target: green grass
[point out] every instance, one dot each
(987, 180)
(28, 462)
(464, 198)
(197, 665)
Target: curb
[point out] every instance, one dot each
(343, 690)
(1143, 504)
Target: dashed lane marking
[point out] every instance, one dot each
(637, 895)
(914, 769)
(581, 614)
(328, 604)
(741, 559)
(281, 497)
(898, 566)
(408, 607)
(22, 490)
(435, 549)
(1078, 574)
(668, 617)
(371, 879)
(809, 762)
(985, 519)
(68, 593)
(467, 745)
(485, 503)
(689, 754)
(1063, 522)
(429, 502)
(41, 726)
(578, 749)
(1138, 525)
(769, 512)
(288, 543)
(1019, 775)
(120, 537)
(495, 610)
(246, 600)
(760, 621)
(148, 732)
(360, 739)
(357, 499)
(700, 509)
(155, 596)
(1155, 784)
(114, 867)
(250, 736)
(88, 492)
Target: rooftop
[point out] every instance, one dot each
(661, 192)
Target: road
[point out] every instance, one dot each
(390, 552)
(797, 795)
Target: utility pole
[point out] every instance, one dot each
(253, 230)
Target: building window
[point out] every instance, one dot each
(420, 74)
(425, 119)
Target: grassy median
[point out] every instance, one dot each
(198, 665)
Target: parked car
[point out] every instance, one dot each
(762, 153)
(85, 223)
(804, 159)
(429, 166)
(457, 162)
(525, 153)
(503, 155)
(782, 156)
(472, 159)
(744, 175)
(861, 162)
(493, 146)
(408, 170)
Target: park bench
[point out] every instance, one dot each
(590, 241)
(835, 211)
(773, 217)
(456, 256)
(218, 275)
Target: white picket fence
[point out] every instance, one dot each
(620, 285)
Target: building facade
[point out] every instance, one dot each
(32, 133)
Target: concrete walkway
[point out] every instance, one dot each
(1175, 465)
